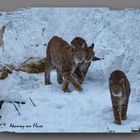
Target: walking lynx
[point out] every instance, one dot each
(84, 66)
(120, 90)
(65, 58)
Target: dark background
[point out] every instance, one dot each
(9, 5)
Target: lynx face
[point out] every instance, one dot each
(80, 42)
(78, 54)
(117, 87)
(120, 90)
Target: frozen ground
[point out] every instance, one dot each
(116, 36)
(88, 111)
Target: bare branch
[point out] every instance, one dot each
(107, 126)
(32, 102)
(16, 108)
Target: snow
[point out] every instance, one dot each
(116, 37)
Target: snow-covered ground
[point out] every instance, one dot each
(116, 35)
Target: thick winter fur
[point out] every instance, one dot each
(65, 58)
(120, 90)
(84, 66)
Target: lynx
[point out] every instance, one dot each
(84, 66)
(120, 90)
(65, 59)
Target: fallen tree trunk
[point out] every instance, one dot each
(32, 65)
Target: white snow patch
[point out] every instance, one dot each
(116, 37)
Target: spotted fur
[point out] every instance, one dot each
(84, 66)
(65, 58)
(120, 90)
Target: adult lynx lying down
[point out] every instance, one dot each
(120, 90)
(65, 58)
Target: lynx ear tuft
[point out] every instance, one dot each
(92, 46)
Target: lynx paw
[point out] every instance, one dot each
(79, 88)
(124, 117)
(117, 122)
(66, 90)
(48, 83)
(80, 81)
(60, 81)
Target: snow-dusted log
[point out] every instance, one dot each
(4, 71)
(32, 65)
